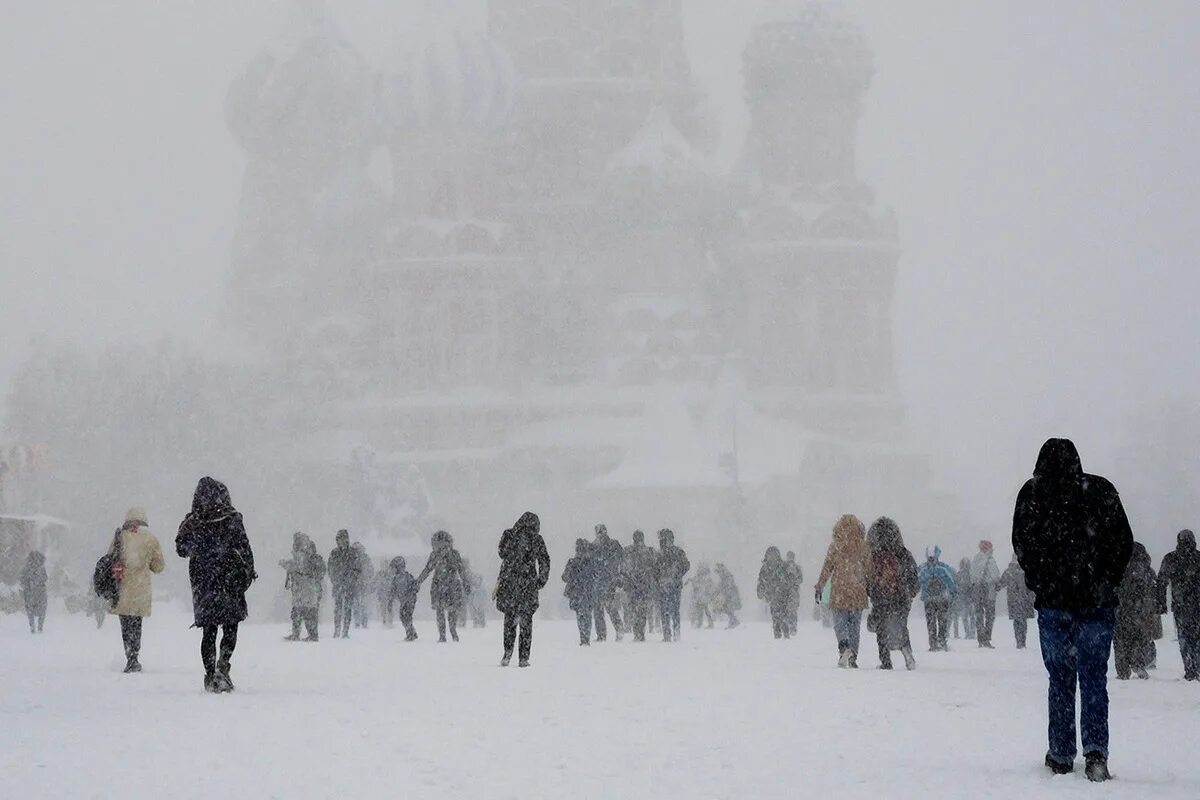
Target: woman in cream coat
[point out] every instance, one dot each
(140, 555)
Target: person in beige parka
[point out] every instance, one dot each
(140, 555)
(848, 565)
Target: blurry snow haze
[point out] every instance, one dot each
(732, 268)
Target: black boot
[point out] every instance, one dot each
(1058, 767)
(1096, 767)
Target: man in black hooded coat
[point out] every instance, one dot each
(221, 567)
(1180, 572)
(1072, 538)
(524, 572)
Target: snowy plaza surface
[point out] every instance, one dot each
(722, 714)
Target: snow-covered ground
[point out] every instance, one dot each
(723, 714)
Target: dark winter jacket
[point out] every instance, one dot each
(774, 580)
(638, 566)
(607, 553)
(305, 573)
(728, 598)
(1070, 533)
(1020, 598)
(345, 569)
(524, 566)
(672, 563)
(404, 586)
(580, 576)
(1138, 612)
(966, 589)
(33, 583)
(892, 582)
(1180, 573)
(795, 580)
(220, 562)
(449, 581)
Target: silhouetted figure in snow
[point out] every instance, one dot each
(140, 556)
(306, 581)
(364, 589)
(1136, 616)
(671, 567)
(938, 589)
(1180, 574)
(704, 590)
(221, 567)
(447, 588)
(985, 583)
(524, 572)
(964, 601)
(402, 594)
(773, 589)
(581, 589)
(33, 590)
(892, 584)
(1073, 540)
(607, 554)
(848, 564)
(1019, 599)
(639, 574)
(476, 600)
(795, 581)
(382, 589)
(345, 574)
(729, 599)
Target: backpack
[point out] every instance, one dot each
(887, 575)
(936, 588)
(106, 578)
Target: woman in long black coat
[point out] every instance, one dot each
(221, 567)
(524, 571)
(449, 583)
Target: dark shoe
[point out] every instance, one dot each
(454, 636)
(1121, 677)
(221, 683)
(132, 666)
(312, 639)
(295, 637)
(504, 662)
(1143, 675)
(989, 646)
(1096, 768)
(412, 637)
(442, 639)
(853, 660)
(523, 663)
(910, 663)
(1059, 767)
(210, 682)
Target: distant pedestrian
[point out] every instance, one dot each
(964, 601)
(33, 590)
(364, 588)
(524, 572)
(382, 589)
(848, 565)
(985, 583)
(638, 565)
(221, 567)
(671, 567)
(795, 581)
(447, 588)
(306, 581)
(345, 575)
(773, 588)
(1180, 575)
(403, 595)
(892, 584)
(579, 575)
(140, 556)
(607, 556)
(728, 600)
(1073, 540)
(703, 595)
(1019, 599)
(1136, 617)
(938, 589)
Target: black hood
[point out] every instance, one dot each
(211, 499)
(528, 522)
(1186, 540)
(1058, 462)
(1140, 555)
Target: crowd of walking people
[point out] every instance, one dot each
(1075, 567)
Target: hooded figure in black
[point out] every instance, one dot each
(607, 554)
(1072, 538)
(892, 585)
(1020, 601)
(795, 580)
(672, 565)
(221, 567)
(774, 588)
(1180, 574)
(345, 573)
(448, 588)
(524, 571)
(637, 569)
(33, 589)
(403, 593)
(581, 588)
(1136, 616)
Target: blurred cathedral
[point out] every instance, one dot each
(560, 304)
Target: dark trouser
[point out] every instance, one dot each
(343, 610)
(583, 617)
(387, 612)
(1131, 650)
(779, 620)
(37, 618)
(606, 602)
(308, 616)
(361, 614)
(208, 647)
(525, 623)
(985, 616)
(1187, 625)
(1075, 646)
(1020, 631)
(639, 608)
(443, 611)
(131, 636)
(793, 616)
(937, 622)
(669, 603)
(406, 614)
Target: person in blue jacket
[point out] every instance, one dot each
(938, 590)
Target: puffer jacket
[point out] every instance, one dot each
(848, 564)
(141, 555)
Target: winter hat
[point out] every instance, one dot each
(639, 537)
(442, 538)
(343, 536)
(933, 553)
(602, 529)
(529, 521)
(137, 515)
(885, 535)
(398, 563)
(849, 525)
(791, 555)
(1186, 540)
(985, 546)
(666, 536)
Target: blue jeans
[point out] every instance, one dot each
(1075, 648)
(847, 624)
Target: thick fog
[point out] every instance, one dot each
(1039, 160)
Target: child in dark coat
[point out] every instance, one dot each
(403, 594)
